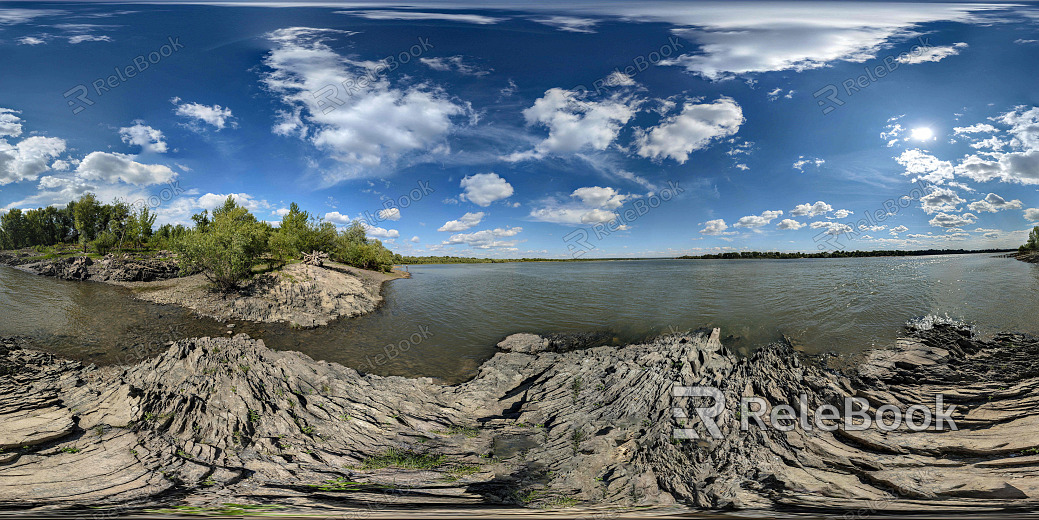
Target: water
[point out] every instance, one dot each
(842, 305)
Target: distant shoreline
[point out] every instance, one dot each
(743, 255)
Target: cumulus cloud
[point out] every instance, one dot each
(1032, 214)
(940, 200)
(148, 138)
(591, 205)
(379, 232)
(789, 223)
(389, 214)
(946, 220)
(484, 188)
(993, 203)
(811, 210)
(574, 123)
(336, 217)
(756, 221)
(1020, 164)
(113, 167)
(979, 128)
(486, 239)
(716, 227)
(832, 228)
(363, 128)
(693, 129)
(925, 166)
(31, 40)
(216, 116)
(898, 229)
(465, 222)
(29, 158)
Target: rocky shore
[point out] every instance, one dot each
(299, 294)
(544, 424)
(1031, 257)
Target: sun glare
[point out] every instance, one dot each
(922, 134)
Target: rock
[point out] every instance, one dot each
(228, 420)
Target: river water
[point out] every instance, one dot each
(446, 320)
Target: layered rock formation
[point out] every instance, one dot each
(112, 268)
(545, 423)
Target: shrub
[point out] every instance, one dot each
(230, 245)
(105, 242)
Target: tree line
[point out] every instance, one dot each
(225, 245)
(1033, 241)
(743, 255)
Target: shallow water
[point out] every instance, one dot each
(450, 317)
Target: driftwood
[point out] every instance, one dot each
(315, 258)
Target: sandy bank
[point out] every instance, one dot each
(543, 424)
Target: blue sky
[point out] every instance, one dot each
(595, 129)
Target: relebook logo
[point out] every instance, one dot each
(856, 415)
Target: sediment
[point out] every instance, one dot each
(545, 423)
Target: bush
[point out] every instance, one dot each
(226, 251)
(105, 242)
(1033, 240)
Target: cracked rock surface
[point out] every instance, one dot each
(545, 423)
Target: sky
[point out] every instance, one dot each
(496, 129)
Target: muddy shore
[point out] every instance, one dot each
(545, 424)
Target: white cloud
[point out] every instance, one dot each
(10, 123)
(363, 129)
(484, 188)
(17, 16)
(756, 221)
(80, 38)
(113, 167)
(940, 200)
(281, 212)
(925, 166)
(389, 214)
(693, 129)
(993, 203)
(379, 232)
(946, 220)
(802, 162)
(789, 223)
(569, 23)
(215, 116)
(716, 227)
(574, 123)
(841, 213)
(29, 158)
(486, 239)
(148, 138)
(336, 217)
(980, 128)
(811, 210)
(591, 205)
(465, 222)
(898, 229)
(455, 63)
(1021, 165)
(932, 54)
(1032, 214)
(773, 36)
(31, 40)
(417, 15)
(832, 228)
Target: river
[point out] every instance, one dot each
(446, 320)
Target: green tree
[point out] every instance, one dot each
(1033, 240)
(226, 251)
(87, 215)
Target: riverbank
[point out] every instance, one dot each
(299, 294)
(544, 424)
(1031, 257)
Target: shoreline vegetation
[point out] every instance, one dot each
(218, 420)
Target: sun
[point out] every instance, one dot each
(922, 134)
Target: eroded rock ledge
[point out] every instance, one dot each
(543, 424)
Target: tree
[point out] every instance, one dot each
(226, 251)
(1033, 240)
(87, 214)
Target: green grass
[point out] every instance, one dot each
(68, 449)
(394, 458)
(459, 472)
(468, 431)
